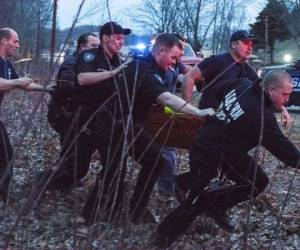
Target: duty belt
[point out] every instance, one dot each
(89, 111)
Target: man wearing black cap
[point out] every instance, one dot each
(218, 68)
(95, 68)
(228, 66)
(225, 67)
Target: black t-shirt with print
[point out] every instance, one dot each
(220, 68)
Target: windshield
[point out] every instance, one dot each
(188, 50)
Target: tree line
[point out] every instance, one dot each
(31, 19)
(197, 20)
(201, 21)
(278, 21)
(213, 21)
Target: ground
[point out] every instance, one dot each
(270, 222)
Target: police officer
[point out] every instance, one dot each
(9, 79)
(60, 112)
(217, 68)
(136, 90)
(239, 126)
(166, 180)
(94, 71)
(228, 66)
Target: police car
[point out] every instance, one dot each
(294, 72)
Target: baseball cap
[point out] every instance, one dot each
(110, 28)
(242, 35)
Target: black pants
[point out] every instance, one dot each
(114, 144)
(61, 118)
(6, 155)
(249, 178)
(145, 152)
(80, 141)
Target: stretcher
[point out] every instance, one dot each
(172, 129)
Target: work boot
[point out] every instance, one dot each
(66, 187)
(3, 195)
(221, 218)
(172, 226)
(181, 187)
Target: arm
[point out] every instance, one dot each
(91, 78)
(188, 83)
(286, 119)
(14, 83)
(179, 105)
(184, 68)
(37, 87)
(187, 68)
(278, 144)
(66, 75)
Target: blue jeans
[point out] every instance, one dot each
(166, 179)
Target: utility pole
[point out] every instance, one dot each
(53, 36)
(266, 38)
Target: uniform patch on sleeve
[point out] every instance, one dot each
(88, 56)
(157, 77)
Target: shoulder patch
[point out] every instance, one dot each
(88, 56)
(157, 77)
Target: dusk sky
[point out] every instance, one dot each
(67, 10)
(119, 11)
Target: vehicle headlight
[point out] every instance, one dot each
(287, 58)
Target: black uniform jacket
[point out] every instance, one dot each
(138, 88)
(94, 60)
(65, 80)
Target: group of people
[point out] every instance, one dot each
(100, 103)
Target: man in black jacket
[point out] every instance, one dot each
(245, 119)
(76, 105)
(61, 106)
(121, 132)
(228, 66)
